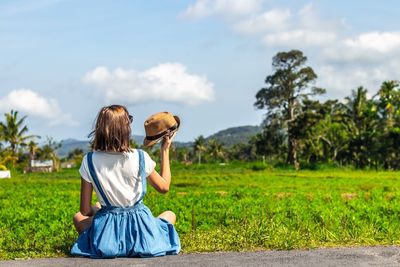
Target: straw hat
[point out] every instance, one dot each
(158, 125)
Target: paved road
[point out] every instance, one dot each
(360, 256)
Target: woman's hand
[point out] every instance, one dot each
(96, 208)
(167, 141)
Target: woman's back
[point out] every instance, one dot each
(118, 176)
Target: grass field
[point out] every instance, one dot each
(232, 207)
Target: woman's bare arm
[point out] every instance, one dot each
(161, 181)
(86, 198)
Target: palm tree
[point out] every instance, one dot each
(199, 146)
(48, 151)
(362, 126)
(7, 159)
(216, 149)
(13, 131)
(76, 156)
(133, 144)
(389, 99)
(32, 148)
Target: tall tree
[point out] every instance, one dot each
(199, 147)
(33, 147)
(49, 151)
(388, 105)
(76, 156)
(271, 141)
(13, 131)
(285, 91)
(216, 150)
(362, 125)
(322, 127)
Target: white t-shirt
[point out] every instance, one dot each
(118, 175)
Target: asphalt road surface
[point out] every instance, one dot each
(357, 256)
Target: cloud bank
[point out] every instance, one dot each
(167, 82)
(31, 103)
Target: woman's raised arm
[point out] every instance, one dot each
(161, 181)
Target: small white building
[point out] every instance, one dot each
(41, 166)
(5, 174)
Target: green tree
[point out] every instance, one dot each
(216, 150)
(323, 131)
(243, 151)
(13, 131)
(285, 91)
(49, 151)
(389, 104)
(76, 156)
(182, 154)
(199, 147)
(270, 143)
(133, 144)
(388, 108)
(362, 125)
(33, 147)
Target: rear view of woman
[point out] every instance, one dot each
(120, 225)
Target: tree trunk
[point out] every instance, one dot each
(292, 150)
(292, 141)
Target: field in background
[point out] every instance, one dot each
(232, 207)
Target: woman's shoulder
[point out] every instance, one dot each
(135, 152)
(105, 155)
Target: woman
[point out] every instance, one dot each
(120, 224)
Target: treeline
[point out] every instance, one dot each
(358, 130)
(17, 148)
(209, 151)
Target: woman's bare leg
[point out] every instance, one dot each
(169, 216)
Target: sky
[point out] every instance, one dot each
(203, 60)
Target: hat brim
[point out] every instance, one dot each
(150, 143)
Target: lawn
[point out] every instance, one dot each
(239, 207)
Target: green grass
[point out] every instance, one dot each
(238, 207)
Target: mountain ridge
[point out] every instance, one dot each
(228, 137)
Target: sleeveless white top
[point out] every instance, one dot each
(118, 175)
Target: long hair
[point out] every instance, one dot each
(112, 131)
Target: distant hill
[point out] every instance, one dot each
(70, 144)
(235, 135)
(228, 137)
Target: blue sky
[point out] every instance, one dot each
(204, 60)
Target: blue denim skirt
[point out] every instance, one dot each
(127, 232)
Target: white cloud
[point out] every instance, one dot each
(278, 26)
(168, 82)
(366, 60)
(304, 29)
(382, 42)
(366, 48)
(31, 103)
(300, 38)
(340, 80)
(204, 8)
(274, 19)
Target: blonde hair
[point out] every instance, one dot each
(112, 131)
